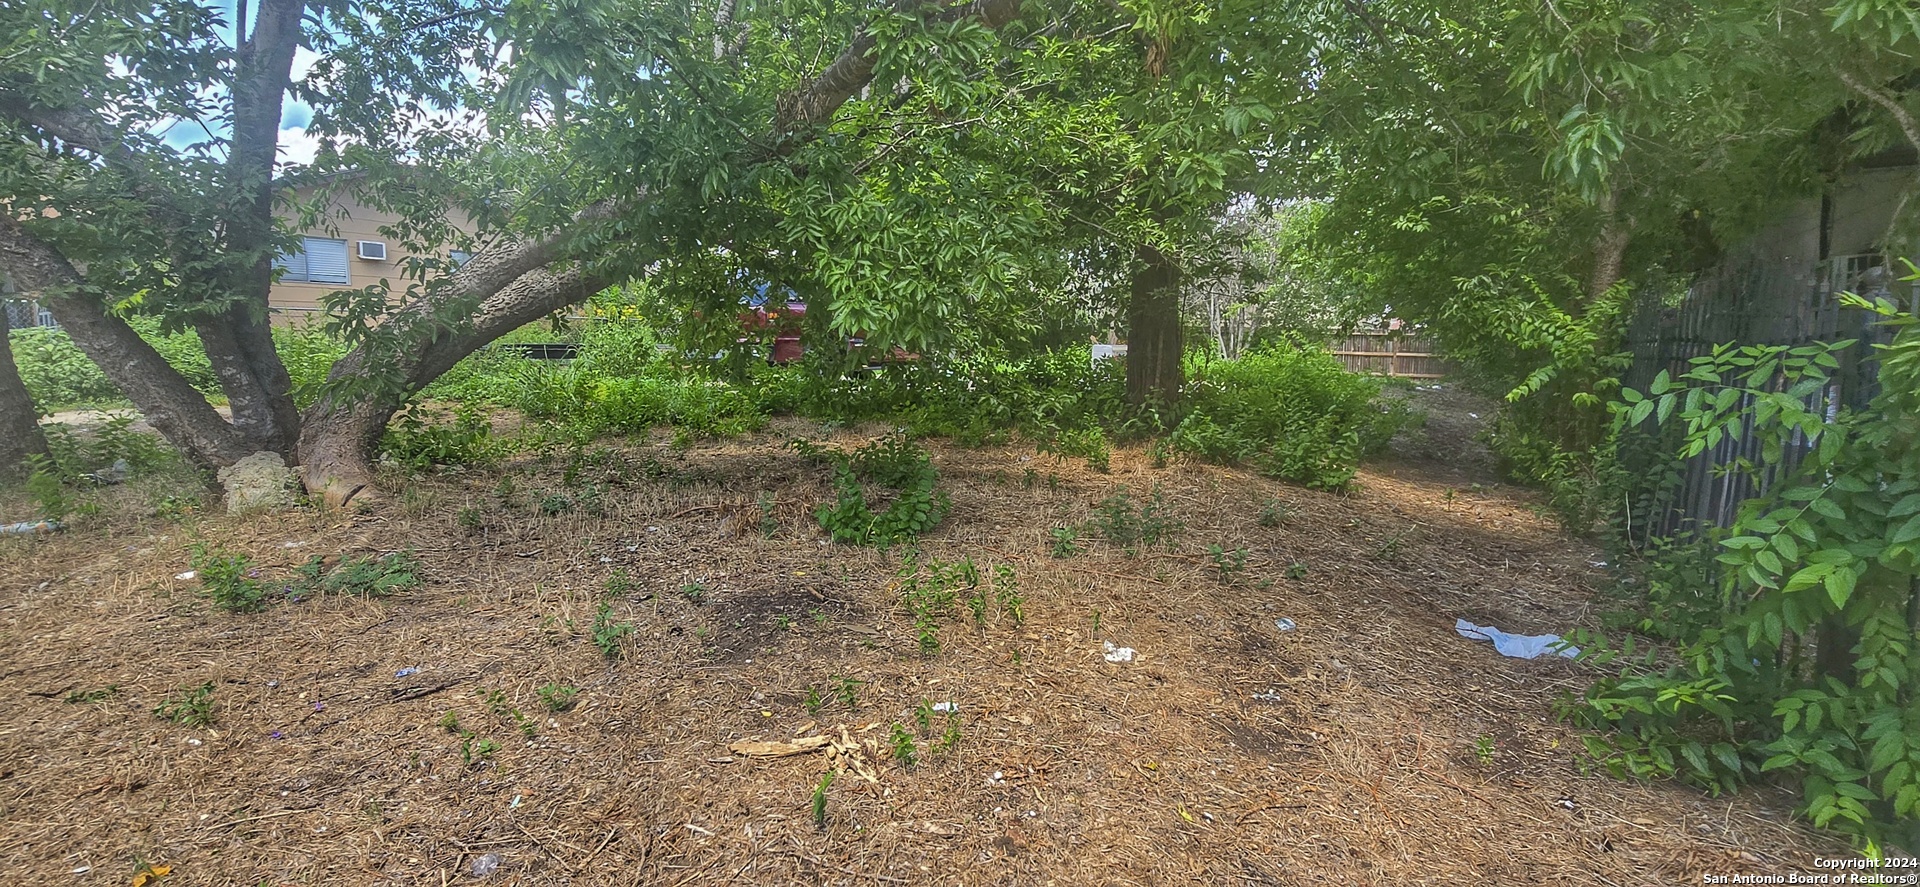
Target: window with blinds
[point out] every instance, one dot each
(320, 260)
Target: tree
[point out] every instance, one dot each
(105, 218)
(20, 435)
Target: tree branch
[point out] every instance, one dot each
(169, 402)
(1899, 112)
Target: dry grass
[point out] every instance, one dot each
(1347, 751)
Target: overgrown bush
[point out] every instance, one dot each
(1291, 413)
(1803, 659)
(418, 440)
(59, 376)
(904, 504)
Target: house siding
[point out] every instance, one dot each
(296, 302)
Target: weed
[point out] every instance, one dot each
(450, 722)
(1297, 570)
(783, 622)
(469, 518)
(694, 592)
(1273, 513)
(1390, 549)
(893, 462)
(43, 484)
(820, 800)
(905, 749)
(1483, 749)
(977, 604)
(608, 633)
(475, 750)
(1063, 541)
(497, 703)
(363, 576)
(81, 697)
(558, 697)
(814, 701)
(188, 707)
(1096, 623)
(230, 580)
(1121, 523)
(1007, 587)
(620, 583)
(1029, 478)
(950, 738)
(556, 504)
(848, 690)
(819, 616)
(1227, 562)
(505, 490)
(923, 715)
(768, 523)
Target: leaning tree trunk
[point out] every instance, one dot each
(339, 434)
(1154, 337)
(513, 286)
(20, 435)
(167, 400)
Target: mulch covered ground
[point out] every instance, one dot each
(1368, 744)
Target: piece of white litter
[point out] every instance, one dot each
(945, 707)
(1118, 654)
(1284, 624)
(187, 576)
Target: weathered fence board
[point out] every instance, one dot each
(1753, 302)
(1390, 354)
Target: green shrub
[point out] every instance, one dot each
(58, 375)
(900, 469)
(1294, 414)
(309, 353)
(1792, 631)
(417, 440)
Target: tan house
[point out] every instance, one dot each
(347, 252)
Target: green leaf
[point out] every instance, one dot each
(1840, 586)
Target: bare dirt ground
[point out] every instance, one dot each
(1369, 744)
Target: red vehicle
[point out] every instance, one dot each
(785, 320)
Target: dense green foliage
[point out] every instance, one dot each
(59, 377)
(1805, 660)
(1295, 414)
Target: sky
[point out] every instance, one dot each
(296, 146)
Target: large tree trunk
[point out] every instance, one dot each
(20, 434)
(338, 436)
(240, 342)
(1154, 335)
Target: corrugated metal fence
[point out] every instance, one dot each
(1753, 302)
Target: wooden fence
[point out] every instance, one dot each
(1390, 354)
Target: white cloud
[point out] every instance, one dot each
(297, 146)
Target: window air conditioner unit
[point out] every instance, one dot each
(373, 250)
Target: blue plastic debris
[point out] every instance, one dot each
(406, 672)
(1517, 646)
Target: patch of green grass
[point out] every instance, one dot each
(188, 707)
